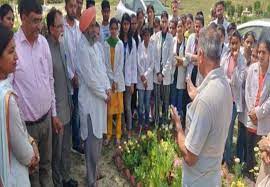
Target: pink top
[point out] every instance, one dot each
(33, 79)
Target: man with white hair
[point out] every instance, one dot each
(94, 92)
(207, 119)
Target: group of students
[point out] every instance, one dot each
(153, 60)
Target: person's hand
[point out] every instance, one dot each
(33, 166)
(192, 90)
(265, 157)
(264, 144)
(143, 78)
(131, 89)
(253, 117)
(175, 116)
(109, 95)
(75, 81)
(159, 77)
(179, 61)
(145, 84)
(57, 125)
(114, 86)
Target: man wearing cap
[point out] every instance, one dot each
(94, 92)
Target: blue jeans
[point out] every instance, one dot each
(228, 152)
(144, 106)
(241, 151)
(75, 120)
(176, 99)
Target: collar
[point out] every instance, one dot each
(67, 25)
(214, 74)
(23, 38)
(52, 40)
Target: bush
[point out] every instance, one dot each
(257, 7)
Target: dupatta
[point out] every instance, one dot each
(5, 92)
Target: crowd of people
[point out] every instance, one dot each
(68, 90)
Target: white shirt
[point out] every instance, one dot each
(146, 65)
(207, 126)
(72, 36)
(105, 32)
(92, 88)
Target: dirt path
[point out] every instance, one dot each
(112, 177)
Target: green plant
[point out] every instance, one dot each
(132, 154)
(239, 9)
(257, 7)
(238, 179)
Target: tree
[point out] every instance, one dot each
(239, 10)
(250, 8)
(231, 11)
(257, 7)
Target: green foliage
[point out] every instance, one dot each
(250, 8)
(151, 158)
(257, 7)
(231, 10)
(240, 9)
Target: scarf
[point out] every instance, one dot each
(112, 41)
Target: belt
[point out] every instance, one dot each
(40, 120)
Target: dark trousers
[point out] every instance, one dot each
(75, 120)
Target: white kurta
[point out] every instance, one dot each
(115, 73)
(146, 65)
(166, 52)
(92, 89)
(251, 90)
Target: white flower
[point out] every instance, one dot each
(170, 126)
(256, 149)
(256, 168)
(166, 129)
(237, 160)
(120, 147)
(125, 142)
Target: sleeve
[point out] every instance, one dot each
(134, 63)
(199, 129)
(156, 61)
(49, 60)
(120, 62)
(20, 145)
(248, 96)
(140, 61)
(149, 71)
(68, 60)
(108, 63)
(89, 73)
(263, 110)
(188, 52)
(167, 68)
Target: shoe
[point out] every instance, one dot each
(70, 183)
(78, 150)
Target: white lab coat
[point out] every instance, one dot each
(167, 57)
(116, 74)
(263, 110)
(146, 65)
(92, 88)
(237, 78)
(190, 47)
(130, 66)
(181, 76)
